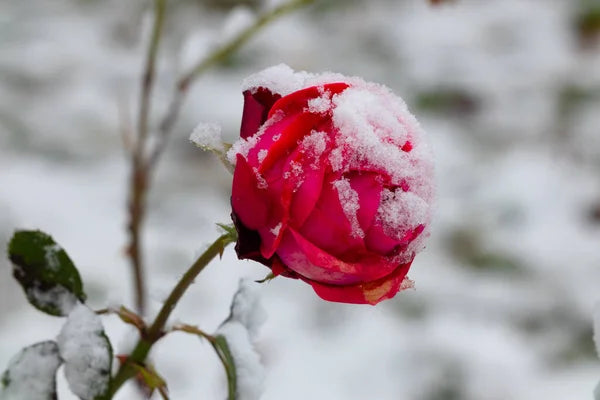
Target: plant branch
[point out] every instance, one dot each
(218, 55)
(156, 330)
(138, 184)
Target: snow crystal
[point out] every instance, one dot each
(261, 181)
(276, 137)
(86, 353)
(57, 297)
(279, 79)
(315, 144)
(276, 229)
(400, 210)
(31, 374)
(319, 105)
(349, 201)
(207, 135)
(51, 257)
(262, 154)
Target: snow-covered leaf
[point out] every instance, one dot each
(87, 353)
(46, 273)
(234, 343)
(222, 349)
(31, 374)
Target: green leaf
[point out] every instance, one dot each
(45, 271)
(37, 363)
(150, 378)
(222, 349)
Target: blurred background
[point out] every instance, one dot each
(509, 93)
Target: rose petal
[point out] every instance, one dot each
(298, 101)
(301, 126)
(307, 195)
(266, 140)
(365, 293)
(248, 243)
(327, 226)
(311, 262)
(257, 105)
(247, 200)
(368, 187)
(376, 240)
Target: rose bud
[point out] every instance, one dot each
(333, 183)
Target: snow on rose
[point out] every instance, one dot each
(333, 183)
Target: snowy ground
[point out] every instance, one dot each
(505, 290)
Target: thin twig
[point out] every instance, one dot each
(218, 55)
(139, 173)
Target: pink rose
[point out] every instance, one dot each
(333, 183)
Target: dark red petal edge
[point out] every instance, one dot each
(257, 105)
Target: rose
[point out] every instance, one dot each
(332, 183)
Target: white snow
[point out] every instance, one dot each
(207, 135)
(250, 373)
(86, 353)
(57, 297)
(240, 330)
(279, 79)
(32, 373)
(262, 154)
(275, 230)
(349, 201)
(314, 145)
(247, 308)
(319, 105)
(50, 255)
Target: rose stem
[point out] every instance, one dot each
(155, 331)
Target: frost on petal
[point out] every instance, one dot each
(31, 374)
(86, 352)
(207, 135)
(279, 79)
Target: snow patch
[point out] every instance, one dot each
(350, 204)
(240, 329)
(207, 135)
(51, 257)
(31, 374)
(58, 297)
(86, 352)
